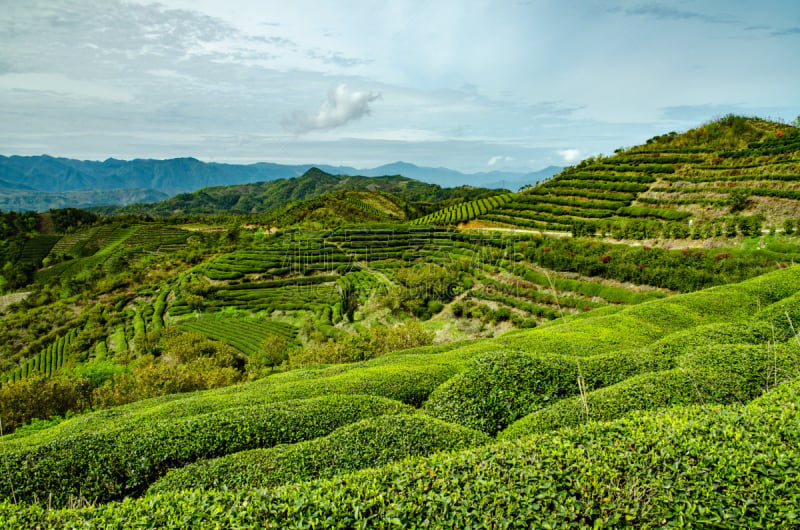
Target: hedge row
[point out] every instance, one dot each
(580, 202)
(246, 335)
(713, 374)
(47, 361)
(639, 325)
(680, 202)
(610, 186)
(534, 309)
(575, 209)
(718, 363)
(406, 377)
(535, 295)
(606, 292)
(114, 463)
(582, 192)
(659, 213)
(610, 177)
(688, 467)
(500, 387)
(645, 159)
(528, 215)
(526, 223)
(367, 443)
(734, 178)
(464, 211)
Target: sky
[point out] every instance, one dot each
(465, 84)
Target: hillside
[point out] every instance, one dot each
(732, 176)
(111, 297)
(360, 444)
(264, 196)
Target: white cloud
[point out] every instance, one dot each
(570, 156)
(499, 158)
(341, 106)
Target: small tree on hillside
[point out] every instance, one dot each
(738, 200)
(274, 350)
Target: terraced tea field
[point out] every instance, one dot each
(656, 189)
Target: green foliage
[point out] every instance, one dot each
(245, 334)
(498, 387)
(273, 351)
(374, 342)
(114, 463)
(659, 213)
(717, 374)
(187, 362)
(706, 466)
(724, 151)
(738, 199)
(367, 443)
(98, 371)
(267, 197)
(41, 397)
(422, 286)
(465, 211)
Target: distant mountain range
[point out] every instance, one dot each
(44, 182)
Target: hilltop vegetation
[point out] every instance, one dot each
(353, 359)
(263, 197)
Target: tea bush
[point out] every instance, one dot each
(688, 467)
(367, 443)
(117, 462)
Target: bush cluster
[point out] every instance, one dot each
(712, 466)
(367, 443)
(123, 461)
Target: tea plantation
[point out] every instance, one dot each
(616, 347)
(676, 412)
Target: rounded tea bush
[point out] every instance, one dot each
(367, 443)
(106, 465)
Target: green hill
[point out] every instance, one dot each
(264, 196)
(731, 176)
(109, 300)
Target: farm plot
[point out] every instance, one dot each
(245, 334)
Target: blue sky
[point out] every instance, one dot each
(471, 85)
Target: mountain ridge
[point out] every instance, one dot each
(35, 175)
(261, 197)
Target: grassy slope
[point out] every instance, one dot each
(491, 484)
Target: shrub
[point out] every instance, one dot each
(499, 387)
(41, 397)
(114, 463)
(719, 374)
(712, 466)
(375, 342)
(367, 443)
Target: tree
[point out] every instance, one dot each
(273, 351)
(738, 199)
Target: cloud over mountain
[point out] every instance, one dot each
(340, 107)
